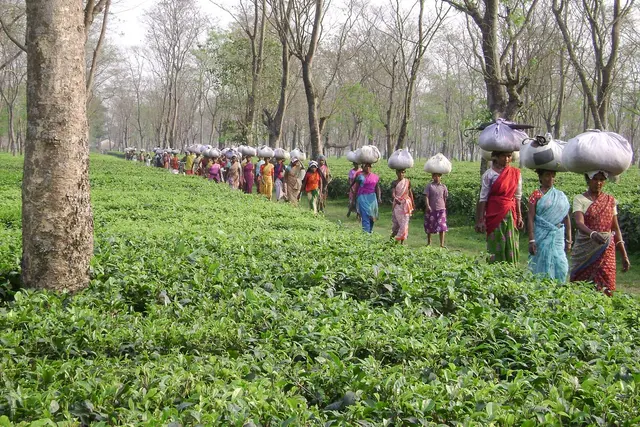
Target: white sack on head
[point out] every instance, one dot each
(299, 154)
(280, 153)
(544, 153)
(598, 150)
(500, 137)
(438, 164)
(245, 150)
(400, 159)
(351, 157)
(265, 151)
(368, 154)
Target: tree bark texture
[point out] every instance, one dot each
(57, 222)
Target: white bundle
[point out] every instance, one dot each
(543, 153)
(351, 157)
(400, 159)
(500, 137)
(438, 164)
(598, 150)
(487, 155)
(265, 151)
(368, 154)
(245, 150)
(280, 153)
(298, 154)
(175, 151)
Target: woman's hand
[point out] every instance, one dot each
(520, 223)
(596, 237)
(532, 248)
(626, 265)
(567, 246)
(481, 227)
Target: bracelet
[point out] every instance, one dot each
(591, 235)
(532, 241)
(620, 241)
(568, 241)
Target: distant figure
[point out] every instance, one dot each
(435, 208)
(367, 197)
(248, 172)
(278, 174)
(402, 207)
(266, 175)
(312, 184)
(326, 172)
(292, 183)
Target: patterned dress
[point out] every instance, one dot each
(592, 261)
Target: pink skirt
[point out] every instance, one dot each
(436, 222)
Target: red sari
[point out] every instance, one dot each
(593, 262)
(502, 198)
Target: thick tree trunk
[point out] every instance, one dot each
(312, 105)
(57, 223)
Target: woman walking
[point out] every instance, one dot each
(549, 227)
(266, 175)
(292, 183)
(248, 172)
(312, 184)
(278, 174)
(402, 207)
(234, 173)
(367, 197)
(594, 255)
(498, 213)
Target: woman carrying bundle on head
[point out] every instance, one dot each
(326, 172)
(266, 177)
(498, 213)
(234, 173)
(292, 183)
(549, 227)
(278, 175)
(248, 172)
(368, 197)
(593, 257)
(402, 207)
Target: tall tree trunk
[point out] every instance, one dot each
(57, 241)
(312, 108)
(274, 123)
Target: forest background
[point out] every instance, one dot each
(409, 74)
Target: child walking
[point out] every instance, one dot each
(435, 210)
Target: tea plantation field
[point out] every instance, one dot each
(211, 307)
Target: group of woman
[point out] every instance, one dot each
(593, 255)
(498, 214)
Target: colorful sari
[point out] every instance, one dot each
(367, 200)
(592, 261)
(402, 209)
(324, 170)
(248, 177)
(233, 175)
(500, 216)
(293, 184)
(550, 259)
(278, 173)
(266, 175)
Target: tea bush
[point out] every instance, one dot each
(210, 307)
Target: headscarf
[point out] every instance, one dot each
(313, 163)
